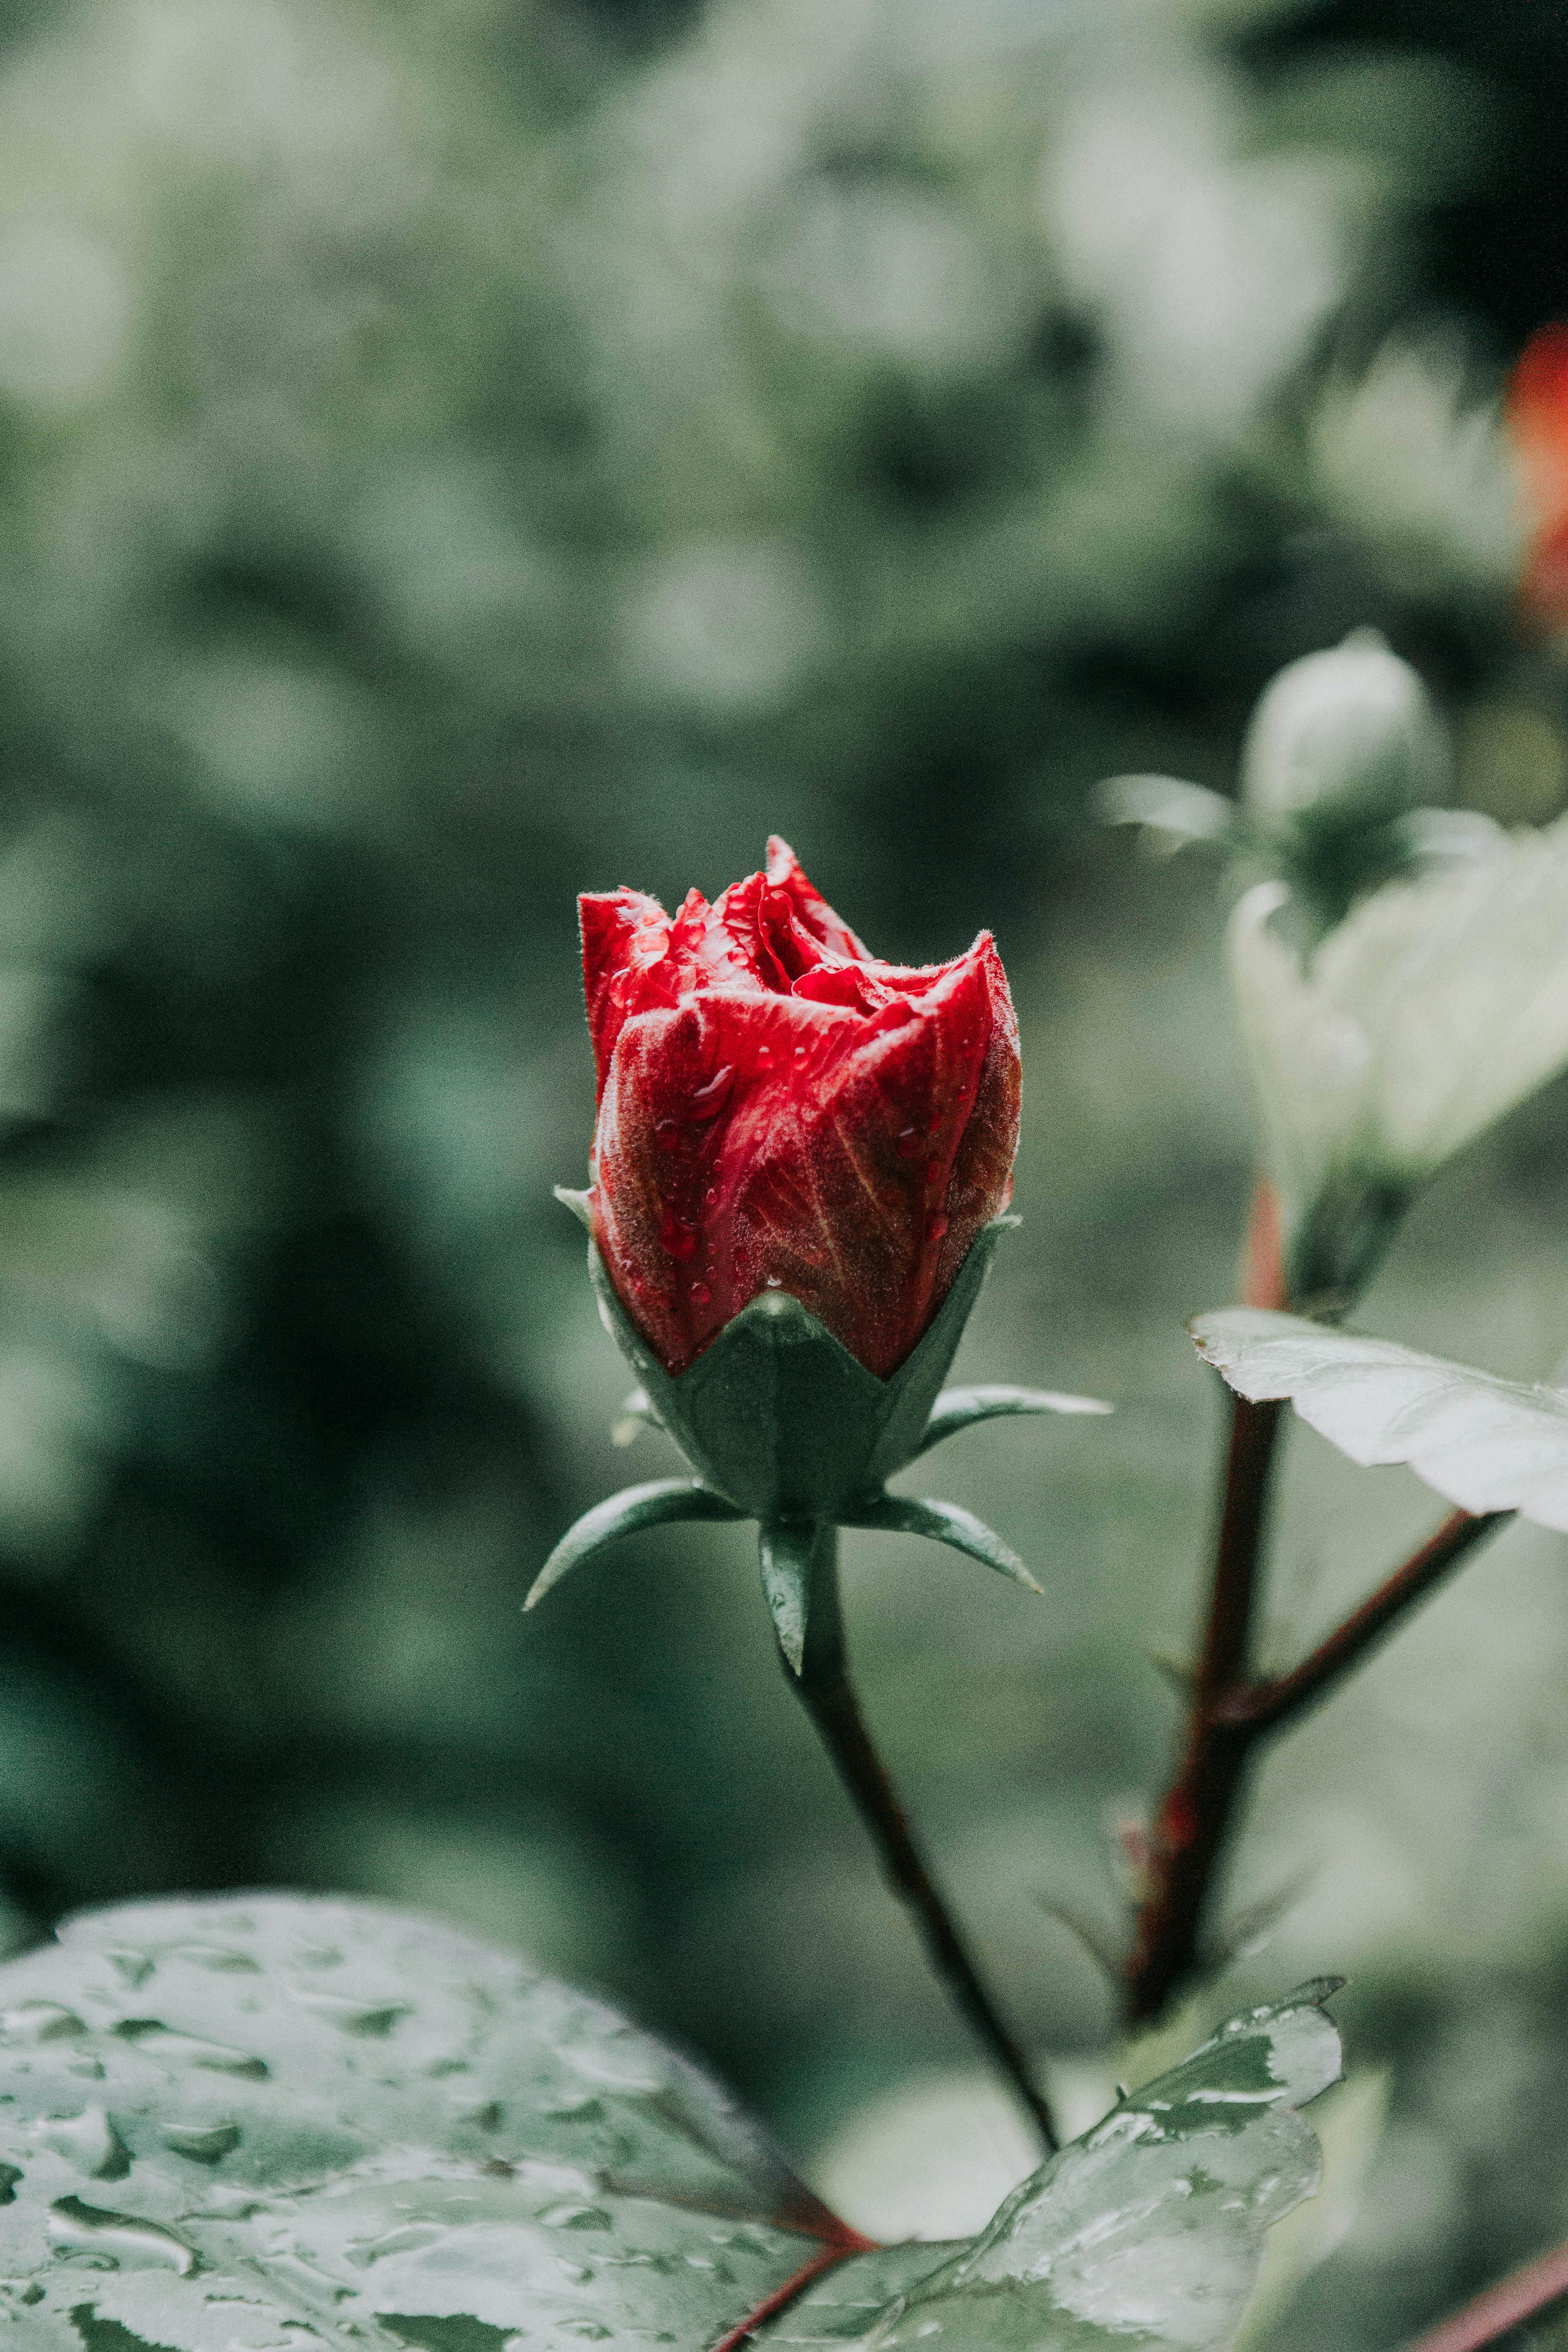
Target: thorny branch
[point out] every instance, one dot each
(1232, 1713)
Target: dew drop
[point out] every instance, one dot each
(88, 2140)
(936, 1226)
(773, 1282)
(569, 2216)
(39, 2020)
(129, 2243)
(709, 1101)
(221, 1958)
(764, 1057)
(667, 1130)
(908, 1141)
(585, 2110)
(801, 1055)
(710, 1198)
(375, 2019)
(203, 2143)
(161, 2041)
(700, 1294)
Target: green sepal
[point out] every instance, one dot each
(655, 1505)
(785, 1550)
(957, 1408)
(777, 1414)
(945, 1523)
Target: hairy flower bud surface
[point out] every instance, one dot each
(779, 1110)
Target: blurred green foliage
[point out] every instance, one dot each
(453, 458)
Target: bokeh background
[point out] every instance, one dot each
(454, 457)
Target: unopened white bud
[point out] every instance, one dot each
(1351, 734)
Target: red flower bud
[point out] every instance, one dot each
(1535, 412)
(778, 1109)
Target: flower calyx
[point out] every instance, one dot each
(782, 1426)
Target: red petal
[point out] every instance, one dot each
(624, 933)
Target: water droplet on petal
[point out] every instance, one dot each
(764, 1057)
(709, 1101)
(908, 1141)
(936, 1226)
(700, 1294)
(710, 1198)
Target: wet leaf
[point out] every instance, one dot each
(292, 2122)
(1486, 1443)
(233, 2127)
(1149, 2229)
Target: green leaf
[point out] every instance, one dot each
(1435, 1006)
(945, 1523)
(1149, 2229)
(957, 1408)
(1176, 813)
(233, 2127)
(655, 1505)
(1485, 1443)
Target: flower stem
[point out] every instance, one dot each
(827, 1694)
(1232, 1715)
(1270, 1705)
(1525, 2295)
(1194, 1815)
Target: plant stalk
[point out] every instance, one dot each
(1194, 1816)
(827, 1694)
(1495, 2312)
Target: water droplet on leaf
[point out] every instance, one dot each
(129, 2243)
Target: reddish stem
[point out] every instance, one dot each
(1266, 1707)
(1194, 1816)
(1231, 1713)
(1523, 2295)
(783, 2296)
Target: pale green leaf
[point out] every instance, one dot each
(1176, 812)
(655, 1505)
(1438, 1003)
(1486, 1443)
(1149, 2229)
